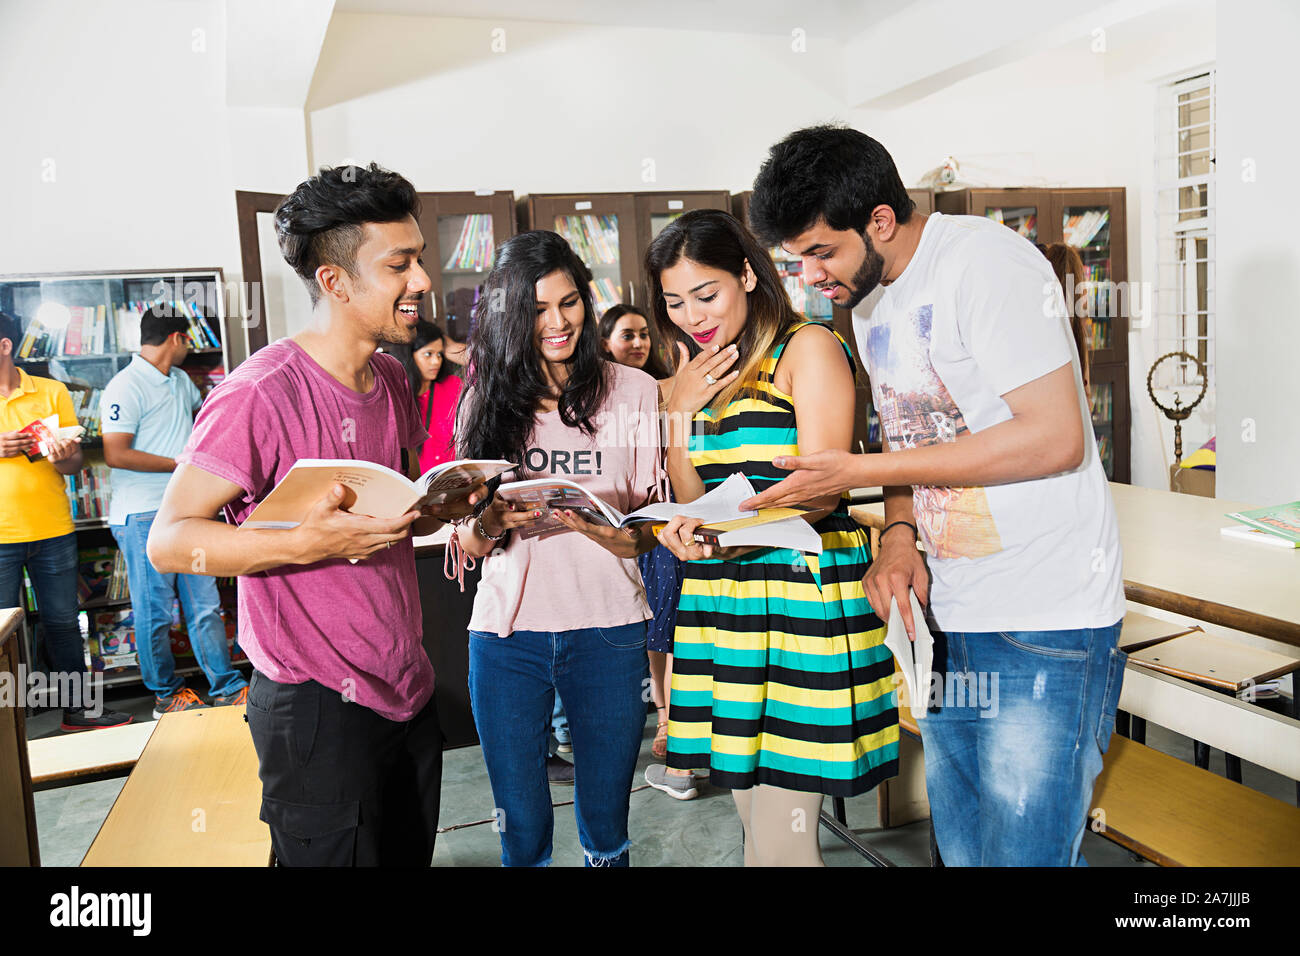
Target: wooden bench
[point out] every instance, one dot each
(68, 759)
(1163, 809)
(193, 798)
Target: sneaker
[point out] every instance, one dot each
(238, 699)
(559, 771)
(75, 721)
(183, 699)
(677, 786)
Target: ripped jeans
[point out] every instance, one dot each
(603, 676)
(1009, 773)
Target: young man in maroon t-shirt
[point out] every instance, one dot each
(341, 701)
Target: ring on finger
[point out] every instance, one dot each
(710, 379)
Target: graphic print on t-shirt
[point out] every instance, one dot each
(916, 409)
(560, 462)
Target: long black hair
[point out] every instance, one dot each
(654, 366)
(506, 381)
(719, 240)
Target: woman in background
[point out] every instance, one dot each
(436, 390)
(1070, 272)
(625, 338)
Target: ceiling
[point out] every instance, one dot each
(823, 18)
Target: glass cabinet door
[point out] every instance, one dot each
(1087, 229)
(595, 238)
(601, 228)
(461, 233)
(1092, 222)
(1023, 210)
(1108, 402)
(466, 250)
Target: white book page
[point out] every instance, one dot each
(720, 504)
(915, 658)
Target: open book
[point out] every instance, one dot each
(46, 432)
(368, 488)
(726, 524)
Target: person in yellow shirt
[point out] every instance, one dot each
(36, 528)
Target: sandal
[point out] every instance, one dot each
(660, 746)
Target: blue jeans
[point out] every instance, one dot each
(1012, 751)
(52, 566)
(512, 685)
(152, 594)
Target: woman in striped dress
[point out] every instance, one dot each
(782, 686)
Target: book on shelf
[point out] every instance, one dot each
(88, 492)
(29, 591)
(593, 238)
(94, 571)
(206, 379)
(1081, 229)
(119, 587)
(726, 525)
(605, 294)
(111, 643)
(1026, 226)
(1280, 520)
(369, 489)
(474, 247)
(1103, 403)
(86, 405)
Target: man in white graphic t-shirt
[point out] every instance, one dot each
(992, 465)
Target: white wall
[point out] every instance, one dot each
(115, 155)
(562, 107)
(1072, 116)
(122, 151)
(1258, 254)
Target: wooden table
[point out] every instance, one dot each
(1176, 559)
(193, 798)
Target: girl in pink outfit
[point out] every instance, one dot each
(437, 390)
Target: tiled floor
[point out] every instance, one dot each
(664, 831)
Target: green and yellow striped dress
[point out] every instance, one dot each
(780, 673)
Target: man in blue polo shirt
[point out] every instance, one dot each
(147, 412)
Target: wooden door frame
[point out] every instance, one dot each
(247, 206)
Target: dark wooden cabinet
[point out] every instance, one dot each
(602, 229)
(612, 231)
(1111, 418)
(1093, 220)
(461, 232)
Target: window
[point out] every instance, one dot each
(1185, 227)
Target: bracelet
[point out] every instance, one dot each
(478, 526)
(892, 524)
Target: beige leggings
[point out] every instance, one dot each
(780, 826)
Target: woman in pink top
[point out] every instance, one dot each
(564, 611)
(437, 390)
